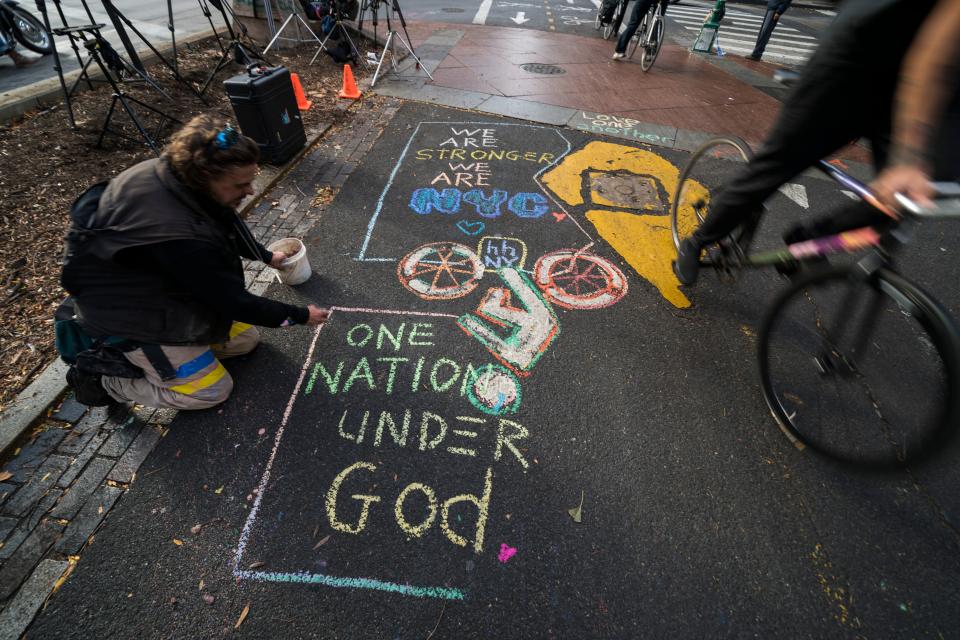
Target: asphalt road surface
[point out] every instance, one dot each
(467, 452)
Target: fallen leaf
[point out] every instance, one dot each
(209, 600)
(195, 529)
(316, 530)
(218, 490)
(5, 475)
(256, 565)
(243, 616)
(322, 542)
(576, 513)
(177, 542)
(201, 584)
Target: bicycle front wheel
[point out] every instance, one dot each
(701, 180)
(862, 369)
(651, 48)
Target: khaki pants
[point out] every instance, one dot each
(202, 381)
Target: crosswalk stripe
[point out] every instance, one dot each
(727, 28)
(482, 11)
(752, 41)
(700, 17)
(732, 48)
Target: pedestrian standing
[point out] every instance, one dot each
(775, 9)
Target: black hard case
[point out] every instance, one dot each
(266, 110)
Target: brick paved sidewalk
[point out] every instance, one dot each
(58, 488)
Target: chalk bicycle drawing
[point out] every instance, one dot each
(440, 271)
(649, 37)
(575, 279)
(856, 362)
(570, 278)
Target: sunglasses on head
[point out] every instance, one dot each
(226, 137)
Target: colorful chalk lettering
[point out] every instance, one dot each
(498, 253)
(426, 200)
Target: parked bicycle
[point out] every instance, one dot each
(856, 362)
(19, 24)
(649, 37)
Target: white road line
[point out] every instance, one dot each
(752, 42)
(699, 18)
(482, 11)
(767, 54)
(798, 38)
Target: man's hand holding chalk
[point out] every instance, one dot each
(317, 315)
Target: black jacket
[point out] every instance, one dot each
(127, 285)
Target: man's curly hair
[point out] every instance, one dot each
(197, 161)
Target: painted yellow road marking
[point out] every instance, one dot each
(643, 240)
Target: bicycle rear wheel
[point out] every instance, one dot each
(614, 25)
(652, 50)
(702, 179)
(862, 369)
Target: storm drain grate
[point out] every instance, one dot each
(545, 69)
(452, 10)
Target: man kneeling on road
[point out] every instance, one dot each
(153, 264)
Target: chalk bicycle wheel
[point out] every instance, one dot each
(440, 271)
(578, 280)
(862, 368)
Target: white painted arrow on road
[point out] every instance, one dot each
(520, 18)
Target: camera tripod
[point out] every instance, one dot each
(390, 45)
(337, 26)
(235, 50)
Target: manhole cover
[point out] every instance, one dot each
(453, 10)
(626, 190)
(545, 69)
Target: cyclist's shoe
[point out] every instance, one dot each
(619, 56)
(687, 264)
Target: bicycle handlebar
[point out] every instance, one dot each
(946, 202)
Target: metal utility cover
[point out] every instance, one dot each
(626, 190)
(545, 69)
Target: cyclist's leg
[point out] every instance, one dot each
(640, 9)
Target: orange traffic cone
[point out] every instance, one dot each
(350, 89)
(302, 103)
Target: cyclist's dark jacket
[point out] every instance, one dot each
(160, 264)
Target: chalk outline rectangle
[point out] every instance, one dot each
(305, 577)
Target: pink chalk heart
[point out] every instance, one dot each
(506, 552)
(559, 216)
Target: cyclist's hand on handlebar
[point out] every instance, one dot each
(909, 180)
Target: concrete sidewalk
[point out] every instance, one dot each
(572, 81)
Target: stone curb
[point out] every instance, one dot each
(37, 95)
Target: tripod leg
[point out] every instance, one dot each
(284, 26)
(383, 56)
(413, 55)
(323, 45)
(136, 122)
(224, 61)
(106, 123)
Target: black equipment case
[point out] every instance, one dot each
(267, 111)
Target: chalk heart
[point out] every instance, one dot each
(559, 216)
(471, 228)
(506, 552)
